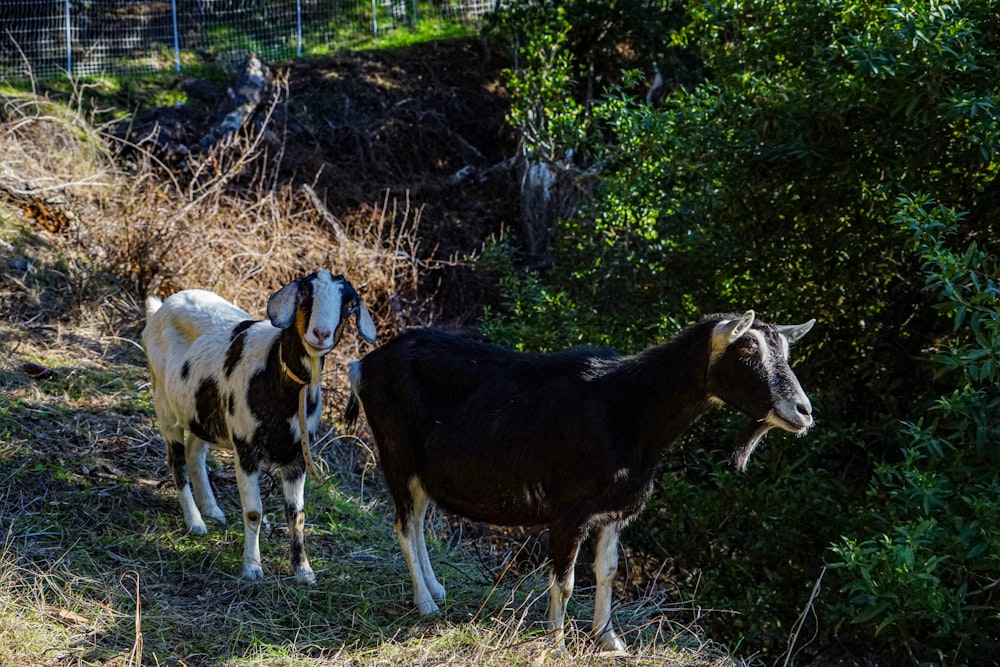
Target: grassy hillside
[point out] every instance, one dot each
(95, 565)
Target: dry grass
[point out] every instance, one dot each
(95, 567)
(223, 223)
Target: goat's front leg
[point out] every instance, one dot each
(293, 482)
(421, 501)
(605, 568)
(247, 480)
(564, 546)
(406, 532)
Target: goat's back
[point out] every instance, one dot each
(188, 336)
(448, 369)
(188, 315)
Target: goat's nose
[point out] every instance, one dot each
(321, 333)
(804, 409)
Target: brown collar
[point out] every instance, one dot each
(287, 370)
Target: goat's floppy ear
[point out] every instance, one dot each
(366, 327)
(282, 304)
(793, 332)
(733, 329)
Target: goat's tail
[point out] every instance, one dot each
(353, 409)
(153, 304)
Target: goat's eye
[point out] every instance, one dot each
(750, 350)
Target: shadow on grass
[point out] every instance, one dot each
(92, 521)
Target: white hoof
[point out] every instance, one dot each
(437, 591)
(217, 516)
(612, 643)
(305, 576)
(426, 607)
(252, 572)
(198, 528)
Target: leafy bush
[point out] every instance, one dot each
(773, 185)
(923, 576)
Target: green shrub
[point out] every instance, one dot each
(921, 576)
(772, 184)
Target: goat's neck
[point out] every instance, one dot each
(297, 366)
(665, 389)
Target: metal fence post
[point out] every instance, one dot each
(69, 43)
(177, 38)
(298, 20)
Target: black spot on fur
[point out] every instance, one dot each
(240, 328)
(235, 352)
(178, 465)
(248, 455)
(185, 370)
(209, 423)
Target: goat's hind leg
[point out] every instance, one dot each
(196, 451)
(177, 462)
(564, 546)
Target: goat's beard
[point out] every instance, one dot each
(753, 434)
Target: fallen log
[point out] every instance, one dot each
(244, 97)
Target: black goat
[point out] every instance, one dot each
(570, 440)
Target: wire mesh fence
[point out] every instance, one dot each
(48, 38)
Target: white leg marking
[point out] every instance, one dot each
(605, 567)
(195, 451)
(422, 597)
(192, 517)
(421, 501)
(182, 478)
(560, 591)
(253, 514)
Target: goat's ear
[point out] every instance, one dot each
(366, 327)
(733, 329)
(282, 304)
(793, 332)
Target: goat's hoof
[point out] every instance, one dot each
(306, 577)
(437, 592)
(556, 651)
(218, 517)
(426, 607)
(253, 572)
(198, 529)
(540, 659)
(613, 645)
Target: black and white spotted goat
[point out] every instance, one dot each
(246, 385)
(569, 440)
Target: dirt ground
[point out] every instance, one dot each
(423, 125)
